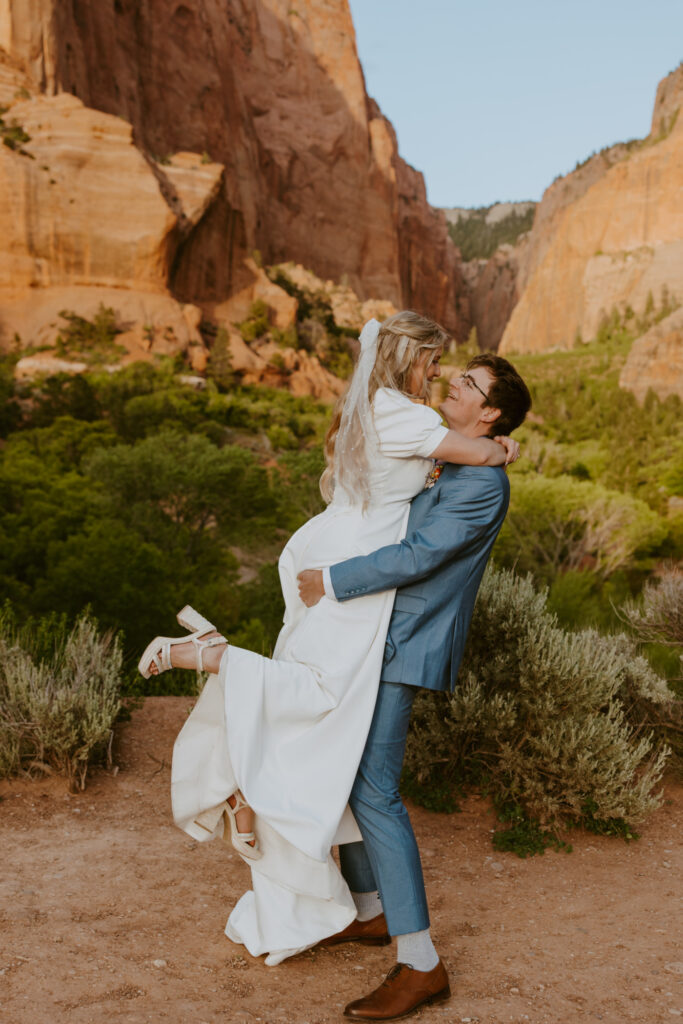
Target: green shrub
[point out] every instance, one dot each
(524, 836)
(10, 412)
(337, 359)
(260, 613)
(281, 437)
(219, 366)
(317, 330)
(278, 361)
(253, 635)
(13, 135)
(58, 705)
(61, 395)
(135, 531)
(550, 721)
(148, 414)
(257, 323)
(583, 418)
(657, 621)
(478, 240)
(658, 617)
(560, 523)
(90, 339)
(312, 305)
(286, 338)
(582, 598)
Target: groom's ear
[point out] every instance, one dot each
(489, 414)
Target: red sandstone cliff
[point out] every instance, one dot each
(605, 236)
(274, 93)
(494, 291)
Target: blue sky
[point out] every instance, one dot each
(491, 100)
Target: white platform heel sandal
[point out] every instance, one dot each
(241, 841)
(193, 621)
(158, 653)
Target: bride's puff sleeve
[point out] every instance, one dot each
(406, 429)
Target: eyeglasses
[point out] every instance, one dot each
(471, 383)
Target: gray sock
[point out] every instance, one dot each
(368, 905)
(417, 950)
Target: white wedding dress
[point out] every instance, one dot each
(289, 731)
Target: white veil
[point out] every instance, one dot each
(357, 439)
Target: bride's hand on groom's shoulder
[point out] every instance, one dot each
(311, 586)
(512, 449)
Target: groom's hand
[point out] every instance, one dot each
(311, 586)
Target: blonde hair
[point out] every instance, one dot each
(403, 340)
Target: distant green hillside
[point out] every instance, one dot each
(478, 236)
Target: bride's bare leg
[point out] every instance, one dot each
(185, 656)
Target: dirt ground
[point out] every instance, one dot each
(109, 913)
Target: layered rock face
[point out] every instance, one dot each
(607, 235)
(656, 360)
(275, 94)
(61, 197)
(264, 361)
(86, 220)
(15, 82)
(668, 102)
(492, 276)
(493, 292)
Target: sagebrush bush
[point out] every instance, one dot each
(57, 708)
(553, 721)
(658, 617)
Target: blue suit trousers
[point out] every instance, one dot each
(388, 858)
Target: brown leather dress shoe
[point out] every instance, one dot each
(403, 990)
(369, 933)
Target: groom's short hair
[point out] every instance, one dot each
(508, 392)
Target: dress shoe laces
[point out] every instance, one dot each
(394, 972)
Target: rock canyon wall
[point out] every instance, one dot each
(605, 236)
(152, 148)
(193, 135)
(493, 287)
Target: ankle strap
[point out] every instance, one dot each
(201, 645)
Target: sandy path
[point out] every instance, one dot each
(97, 887)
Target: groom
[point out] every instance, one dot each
(437, 569)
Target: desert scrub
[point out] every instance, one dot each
(257, 323)
(550, 721)
(59, 697)
(13, 135)
(93, 339)
(658, 616)
(657, 621)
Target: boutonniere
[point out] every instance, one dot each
(434, 474)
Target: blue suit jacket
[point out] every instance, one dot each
(437, 570)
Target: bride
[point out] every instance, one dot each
(273, 744)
